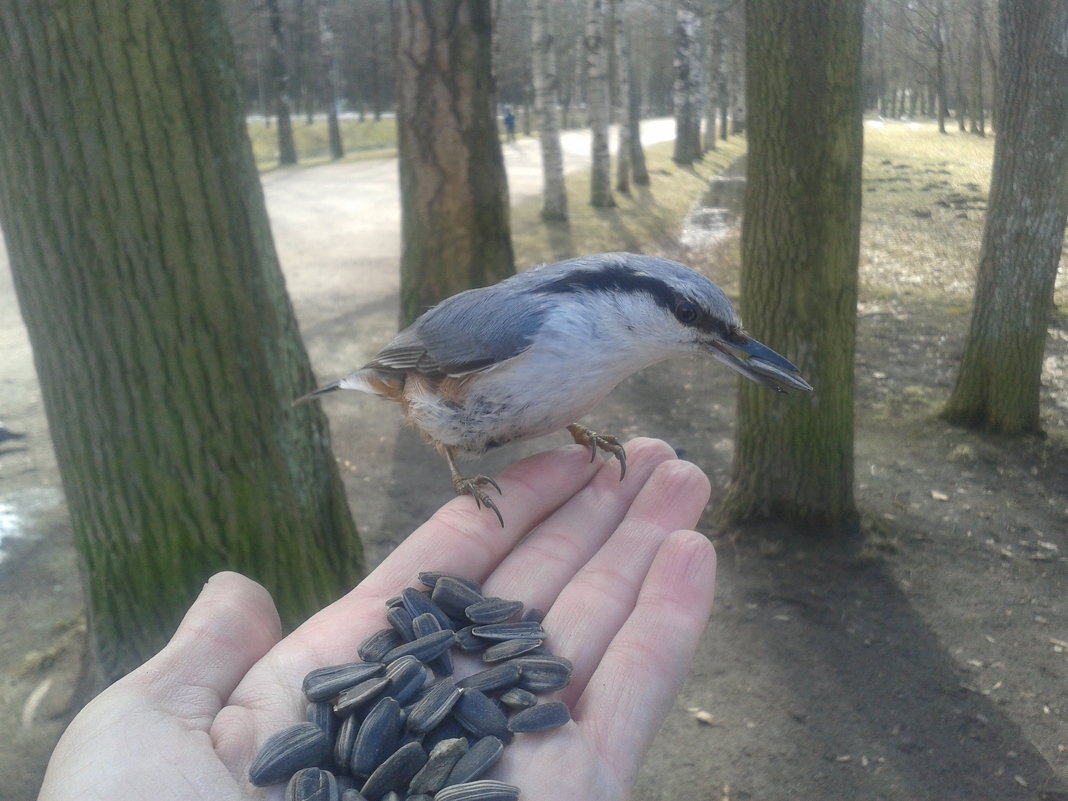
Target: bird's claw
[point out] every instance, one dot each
(473, 487)
(604, 442)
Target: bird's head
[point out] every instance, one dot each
(664, 307)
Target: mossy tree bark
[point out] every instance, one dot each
(165, 344)
(999, 384)
(455, 230)
(800, 246)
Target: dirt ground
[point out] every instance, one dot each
(926, 659)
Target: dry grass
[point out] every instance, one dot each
(648, 220)
(369, 138)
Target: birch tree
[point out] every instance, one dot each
(287, 149)
(622, 51)
(546, 104)
(999, 382)
(687, 90)
(325, 13)
(597, 98)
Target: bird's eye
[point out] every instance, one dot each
(685, 312)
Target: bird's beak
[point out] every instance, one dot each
(758, 363)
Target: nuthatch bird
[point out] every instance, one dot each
(535, 352)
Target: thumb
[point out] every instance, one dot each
(229, 627)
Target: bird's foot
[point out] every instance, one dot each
(473, 487)
(604, 442)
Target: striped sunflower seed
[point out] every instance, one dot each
(477, 713)
(482, 790)
(532, 615)
(378, 645)
(492, 610)
(518, 698)
(432, 708)
(424, 648)
(510, 631)
(322, 715)
(395, 772)
(430, 578)
(454, 596)
(360, 695)
(439, 765)
(499, 677)
(302, 745)
(419, 603)
(408, 676)
(424, 625)
(327, 682)
(542, 717)
(352, 794)
(346, 736)
(378, 736)
(467, 642)
(401, 621)
(312, 784)
(543, 673)
(509, 649)
(479, 758)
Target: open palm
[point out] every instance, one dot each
(626, 587)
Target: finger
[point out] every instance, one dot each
(644, 667)
(229, 627)
(540, 566)
(593, 606)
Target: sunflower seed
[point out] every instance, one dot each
(424, 625)
(517, 698)
(542, 717)
(322, 715)
(363, 693)
(439, 766)
(395, 772)
(454, 596)
(430, 579)
(432, 708)
(509, 649)
(543, 673)
(378, 645)
(482, 790)
(327, 682)
(407, 677)
(479, 758)
(467, 642)
(419, 603)
(492, 610)
(312, 784)
(346, 736)
(352, 794)
(420, 797)
(479, 715)
(532, 615)
(303, 745)
(499, 677)
(378, 737)
(510, 631)
(424, 648)
(401, 621)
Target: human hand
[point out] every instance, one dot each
(627, 595)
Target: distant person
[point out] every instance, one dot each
(509, 124)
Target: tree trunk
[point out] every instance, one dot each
(287, 149)
(598, 101)
(998, 386)
(639, 171)
(622, 52)
(687, 82)
(325, 11)
(979, 101)
(166, 348)
(454, 194)
(546, 99)
(800, 245)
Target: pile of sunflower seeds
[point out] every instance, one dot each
(395, 726)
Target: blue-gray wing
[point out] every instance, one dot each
(471, 331)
